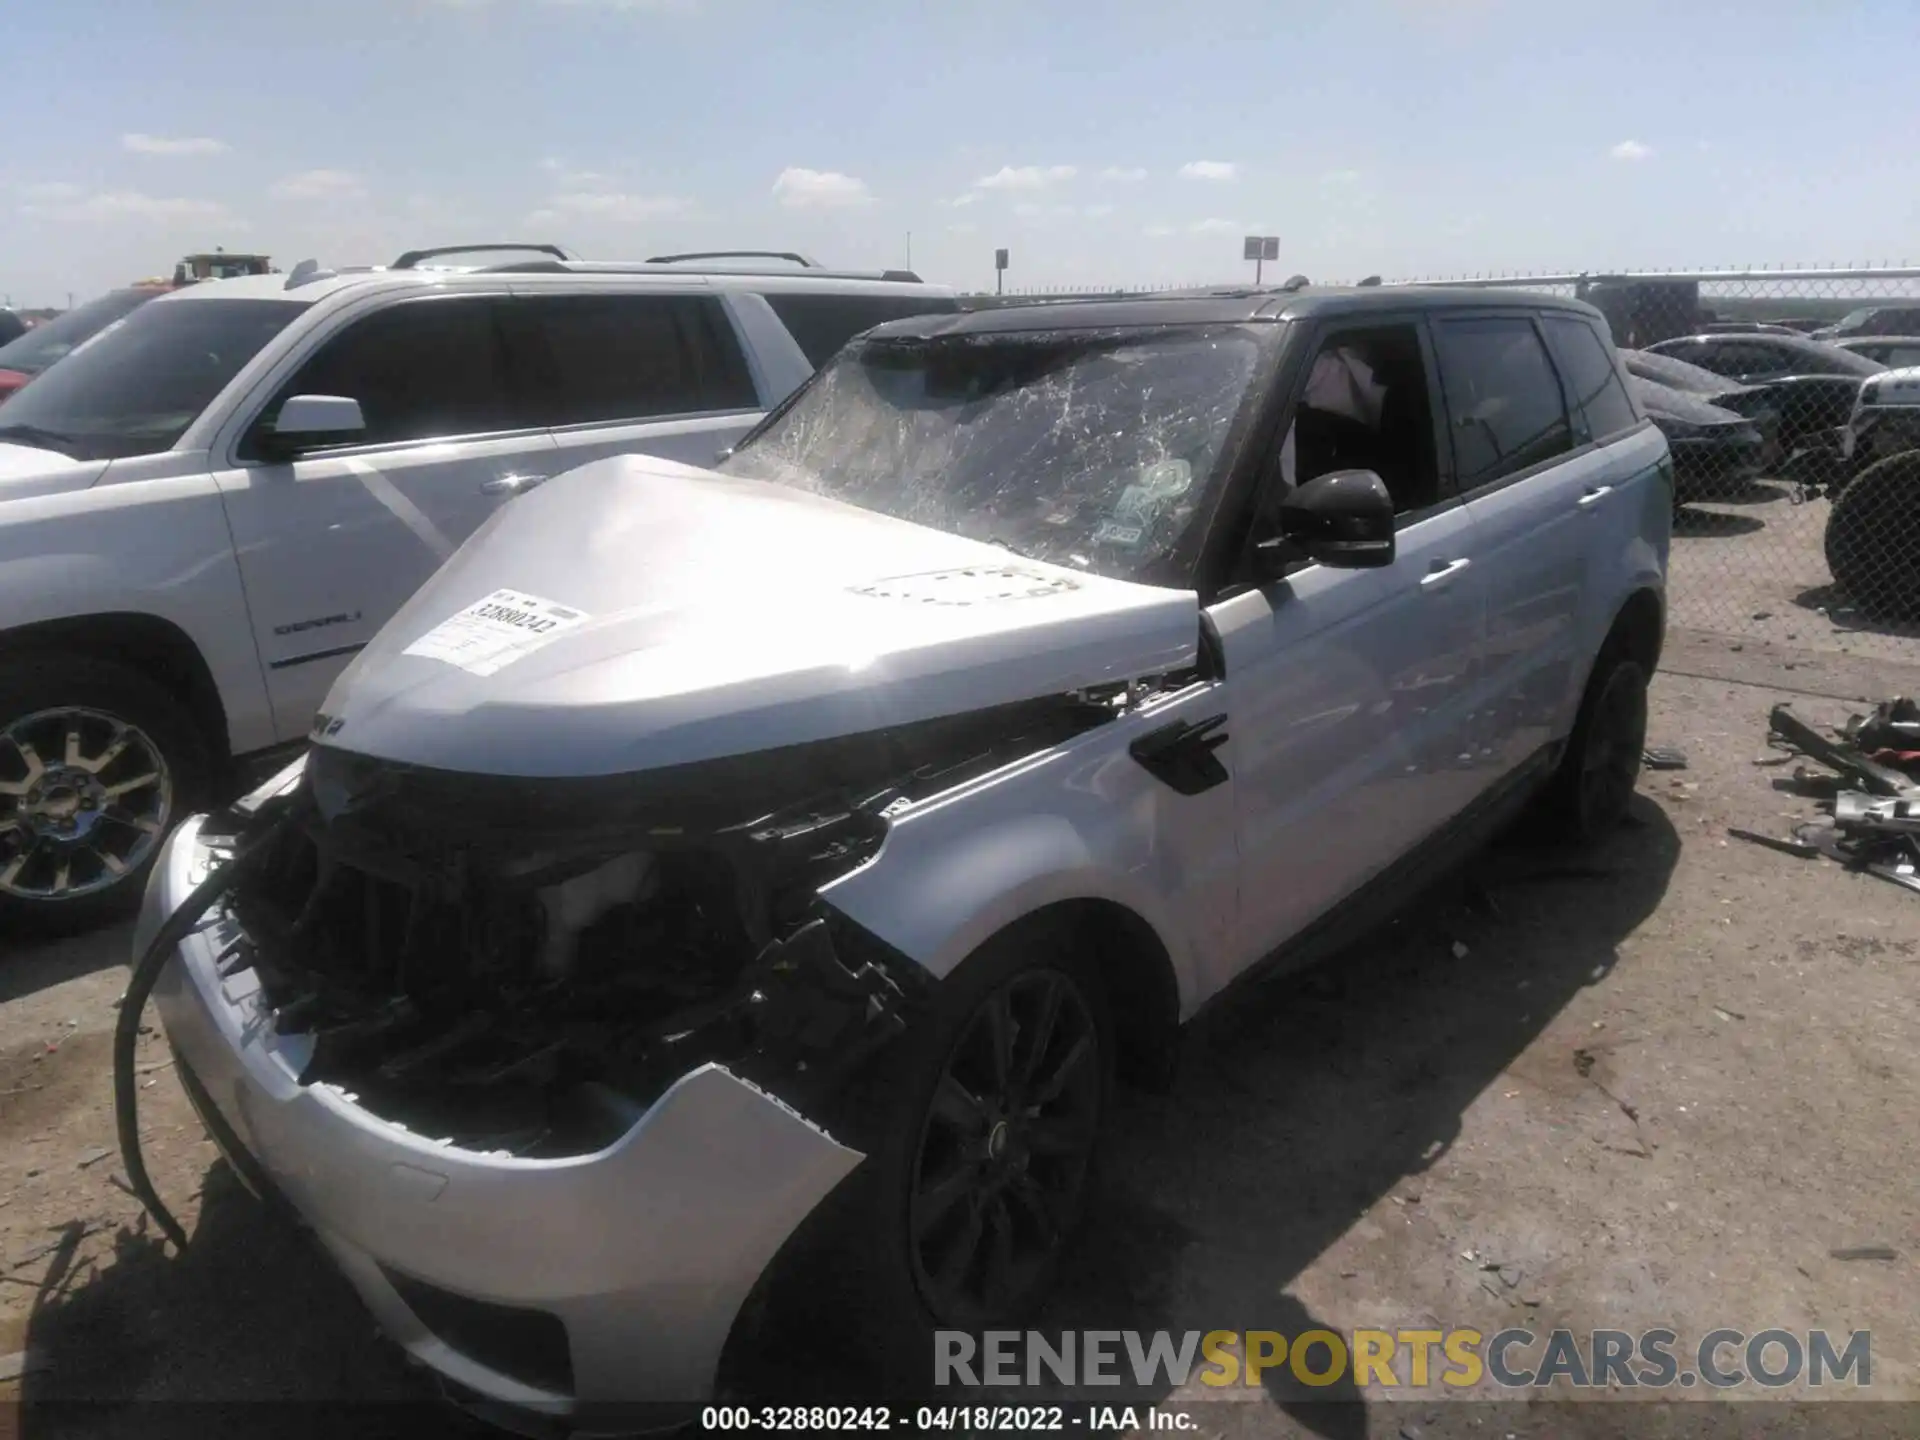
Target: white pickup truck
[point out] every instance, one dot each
(209, 507)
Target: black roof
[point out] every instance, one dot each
(1222, 306)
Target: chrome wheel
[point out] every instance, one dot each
(84, 800)
(1004, 1148)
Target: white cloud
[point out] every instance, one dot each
(619, 5)
(585, 180)
(1630, 150)
(799, 189)
(1025, 177)
(121, 206)
(162, 145)
(1210, 170)
(1159, 232)
(964, 227)
(1341, 179)
(1123, 174)
(616, 205)
(1026, 210)
(318, 185)
(959, 200)
(1214, 225)
(614, 5)
(1094, 212)
(49, 191)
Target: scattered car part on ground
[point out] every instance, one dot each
(1876, 828)
(613, 888)
(204, 607)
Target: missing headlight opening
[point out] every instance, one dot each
(523, 966)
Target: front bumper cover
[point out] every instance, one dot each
(643, 1251)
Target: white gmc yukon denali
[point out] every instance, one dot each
(211, 506)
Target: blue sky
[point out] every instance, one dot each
(1114, 143)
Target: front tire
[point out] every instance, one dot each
(97, 764)
(1594, 784)
(979, 1130)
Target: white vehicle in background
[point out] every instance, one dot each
(209, 508)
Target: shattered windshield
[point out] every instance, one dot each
(1092, 449)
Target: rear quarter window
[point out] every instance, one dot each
(821, 323)
(1594, 388)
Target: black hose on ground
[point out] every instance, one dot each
(126, 1032)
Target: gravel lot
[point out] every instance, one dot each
(1756, 565)
(1658, 1085)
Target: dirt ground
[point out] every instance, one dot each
(1655, 1086)
(1755, 564)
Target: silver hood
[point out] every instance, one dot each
(28, 470)
(707, 615)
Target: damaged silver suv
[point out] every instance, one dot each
(704, 853)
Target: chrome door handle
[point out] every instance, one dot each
(510, 484)
(1441, 571)
(1594, 496)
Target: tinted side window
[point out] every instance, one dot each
(639, 357)
(1748, 358)
(822, 323)
(425, 370)
(1593, 385)
(1504, 398)
(1720, 359)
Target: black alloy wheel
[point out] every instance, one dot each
(1004, 1148)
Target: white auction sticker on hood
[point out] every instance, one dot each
(491, 634)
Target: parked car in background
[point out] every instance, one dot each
(237, 484)
(1873, 320)
(12, 327)
(703, 854)
(1813, 384)
(1716, 452)
(1758, 404)
(1746, 327)
(41, 346)
(1896, 352)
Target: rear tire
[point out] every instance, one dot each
(962, 1146)
(97, 764)
(1593, 786)
(1873, 538)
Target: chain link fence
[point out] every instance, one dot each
(1795, 436)
(1796, 444)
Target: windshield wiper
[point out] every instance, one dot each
(42, 439)
(1006, 544)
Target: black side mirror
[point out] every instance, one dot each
(1344, 519)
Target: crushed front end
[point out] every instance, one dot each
(553, 1068)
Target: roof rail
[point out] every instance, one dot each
(655, 267)
(412, 258)
(787, 255)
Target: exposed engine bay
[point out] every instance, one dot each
(523, 966)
